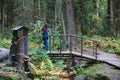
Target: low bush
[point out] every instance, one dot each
(96, 77)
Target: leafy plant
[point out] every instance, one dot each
(36, 79)
(39, 57)
(5, 43)
(110, 50)
(58, 64)
(81, 69)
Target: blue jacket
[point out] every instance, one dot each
(45, 32)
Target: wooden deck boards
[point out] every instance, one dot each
(109, 58)
(102, 56)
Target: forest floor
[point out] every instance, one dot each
(103, 68)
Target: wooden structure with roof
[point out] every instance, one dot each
(19, 47)
(20, 37)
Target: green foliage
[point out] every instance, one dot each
(32, 37)
(39, 57)
(35, 34)
(7, 33)
(91, 15)
(34, 40)
(108, 44)
(36, 79)
(58, 64)
(10, 75)
(5, 43)
(53, 78)
(96, 77)
(35, 31)
(80, 69)
(55, 30)
(36, 27)
(48, 78)
(91, 69)
(110, 50)
(92, 72)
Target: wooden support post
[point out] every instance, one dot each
(93, 49)
(60, 46)
(73, 60)
(13, 60)
(81, 46)
(70, 44)
(26, 65)
(96, 51)
(53, 42)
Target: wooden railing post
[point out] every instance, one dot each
(93, 48)
(81, 46)
(60, 45)
(96, 50)
(70, 43)
(53, 42)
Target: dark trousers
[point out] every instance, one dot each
(46, 44)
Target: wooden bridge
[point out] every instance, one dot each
(74, 47)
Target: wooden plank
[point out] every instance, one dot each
(109, 58)
(73, 53)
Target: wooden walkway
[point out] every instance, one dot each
(73, 46)
(111, 59)
(102, 57)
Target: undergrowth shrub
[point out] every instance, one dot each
(96, 77)
(41, 59)
(6, 43)
(108, 44)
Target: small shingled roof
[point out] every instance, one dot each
(18, 27)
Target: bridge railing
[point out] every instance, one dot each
(70, 43)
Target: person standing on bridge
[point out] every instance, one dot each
(45, 36)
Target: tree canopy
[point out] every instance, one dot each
(76, 16)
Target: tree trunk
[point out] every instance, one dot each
(58, 10)
(39, 8)
(60, 13)
(23, 14)
(70, 20)
(70, 24)
(19, 17)
(118, 15)
(97, 5)
(109, 17)
(83, 13)
(10, 12)
(36, 10)
(2, 16)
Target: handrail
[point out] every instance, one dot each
(68, 35)
(68, 40)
